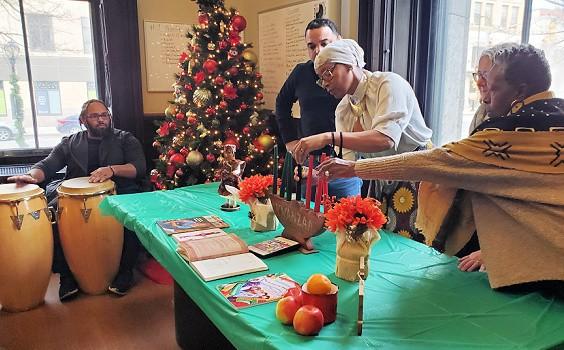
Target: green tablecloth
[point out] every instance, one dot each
(415, 297)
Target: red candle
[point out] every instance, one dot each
(308, 182)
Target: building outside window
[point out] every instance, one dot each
(477, 13)
(488, 14)
(504, 14)
(62, 65)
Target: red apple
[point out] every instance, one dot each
(295, 292)
(308, 320)
(286, 309)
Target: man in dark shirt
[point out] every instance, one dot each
(101, 152)
(317, 106)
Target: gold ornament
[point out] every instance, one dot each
(266, 141)
(254, 119)
(211, 46)
(181, 100)
(194, 158)
(201, 97)
(170, 111)
(250, 55)
(178, 140)
(248, 68)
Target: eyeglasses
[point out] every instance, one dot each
(326, 76)
(479, 75)
(103, 115)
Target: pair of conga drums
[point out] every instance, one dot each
(92, 243)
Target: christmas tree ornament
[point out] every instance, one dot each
(223, 45)
(243, 106)
(177, 159)
(170, 111)
(210, 157)
(203, 18)
(164, 130)
(178, 140)
(199, 77)
(229, 92)
(211, 46)
(233, 52)
(201, 97)
(210, 111)
(154, 175)
(184, 151)
(157, 144)
(210, 66)
(194, 158)
(266, 141)
(250, 55)
(170, 152)
(223, 104)
(180, 116)
(170, 169)
(219, 80)
(181, 100)
(188, 87)
(233, 71)
(183, 57)
(172, 125)
(192, 120)
(216, 123)
(246, 130)
(254, 119)
(259, 96)
(248, 69)
(239, 23)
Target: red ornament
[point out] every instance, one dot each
(156, 144)
(219, 80)
(184, 151)
(246, 130)
(233, 71)
(183, 57)
(199, 77)
(234, 34)
(154, 178)
(235, 40)
(238, 23)
(188, 86)
(180, 116)
(172, 125)
(229, 92)
(223, 104)
(210, 66)
(203, 18)
(223, 44)
(170, 152)
(192, 120)
(177, 158)
(258, 75)
(210, 111)
(170, 169)
(210, 158)
(231, 140)
(163, 130)
(243, 106)
(259, 96)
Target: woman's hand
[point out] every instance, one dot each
(471, 262)
(336, 168)
(309, 144)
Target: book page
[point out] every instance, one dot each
(214, 247)
(227, 266)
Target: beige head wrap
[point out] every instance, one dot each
(345, 51)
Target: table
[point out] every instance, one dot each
(415, 297)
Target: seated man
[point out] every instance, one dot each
(378, 115)
(502, 182)
(102, 153)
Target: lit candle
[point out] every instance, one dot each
(275, 172)
(308, 182)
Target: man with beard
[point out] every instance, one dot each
(100, 152)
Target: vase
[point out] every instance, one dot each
(262, 216)
(349, 252)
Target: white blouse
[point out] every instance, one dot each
(385, 102)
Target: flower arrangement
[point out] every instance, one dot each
(255, 187)
(355, 216)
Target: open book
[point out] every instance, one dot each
(219, 257)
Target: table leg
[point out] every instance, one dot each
(194, 330)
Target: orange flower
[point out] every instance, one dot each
(352, 212)
(256, 186)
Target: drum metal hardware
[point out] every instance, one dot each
(85, 212)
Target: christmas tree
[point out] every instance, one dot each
(217, 99)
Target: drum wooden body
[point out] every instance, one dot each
(92, 242)
(26, 247)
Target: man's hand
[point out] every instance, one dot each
(336, 168)
(101, 174)
(471, 262)
(21, 180)
(309, 144)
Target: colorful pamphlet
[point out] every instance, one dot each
(271, 247)
(198, 223)
(257, 291)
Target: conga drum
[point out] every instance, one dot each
(91, 242)
(26, 246)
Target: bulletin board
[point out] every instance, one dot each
(281, 43)
(163, 44)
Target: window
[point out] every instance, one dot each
(504, 14)
(455, 97)
(62, 70)
(488, 14)
(3, 110)
(477, 13)
(47, 97)
(40, 27)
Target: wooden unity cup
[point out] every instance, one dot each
(327, 303)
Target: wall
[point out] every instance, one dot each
(185, 11)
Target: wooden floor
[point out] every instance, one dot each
(143, 319)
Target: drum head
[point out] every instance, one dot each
(10, 192)
(81, 186)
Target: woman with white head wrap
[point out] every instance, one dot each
(378, 115)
